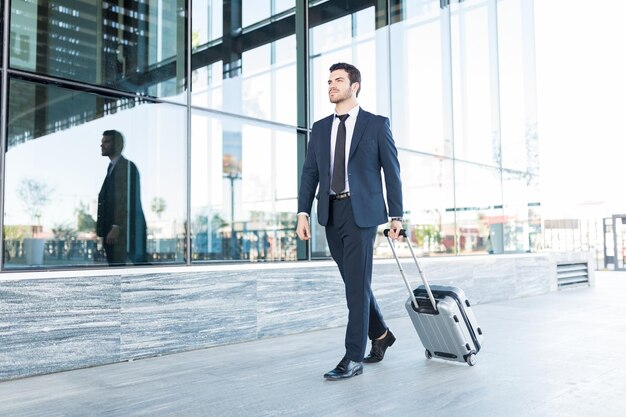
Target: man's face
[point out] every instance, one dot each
(339, 88)
(107, 146)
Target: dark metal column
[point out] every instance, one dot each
(232, 141)
(3, 117)
(382, 13)
(188, 73)
(231, 45)
(302, 69)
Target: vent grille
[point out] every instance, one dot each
(568, 275)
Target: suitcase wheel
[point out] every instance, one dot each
(471, 359)
(428, 354)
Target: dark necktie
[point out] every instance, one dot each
(110, 168)
(339, 166)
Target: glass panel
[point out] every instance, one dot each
(417, 81)
(475, 138)
(520, 156)
(515, 212)
(2, 32)
(52, 212)
(522, 220)
(138, 47)
(243, 190)
(266, 86)
(517, 87)
(283, 5)
(252, 73)
(207, 27)
(480, 221)
(253, 11)
(207, 22)
(429, 219)
(351, 38)
(416, 8)
(511, 64)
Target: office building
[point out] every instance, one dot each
(215, 100)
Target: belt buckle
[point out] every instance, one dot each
(340, 196)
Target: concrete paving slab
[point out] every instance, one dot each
(552, 355)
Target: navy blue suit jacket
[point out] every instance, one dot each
(119, 203)
(372, 148)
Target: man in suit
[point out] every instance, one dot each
(344, 158)
(121, 222)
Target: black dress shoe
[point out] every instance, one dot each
(345, 369)
(377, 353)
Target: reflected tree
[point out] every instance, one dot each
(35, 195)
(84, 220)
(64, 231)
(158, 206)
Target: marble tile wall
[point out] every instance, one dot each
(61, 323)
(294, 301)
(164, 313)
(50, 325)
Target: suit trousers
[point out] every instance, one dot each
(352, 248)
(116, 254)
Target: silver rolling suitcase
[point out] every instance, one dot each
(442, 317)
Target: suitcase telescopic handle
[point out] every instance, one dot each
(419, 268)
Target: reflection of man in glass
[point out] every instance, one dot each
(121, 222)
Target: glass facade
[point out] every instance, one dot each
(214, 101)
(54, 173)
(132, 46)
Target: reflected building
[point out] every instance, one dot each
(97, 43)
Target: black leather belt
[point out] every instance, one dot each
(340, 196)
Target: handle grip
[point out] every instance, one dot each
(402, 233)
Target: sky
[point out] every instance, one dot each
(581, 94)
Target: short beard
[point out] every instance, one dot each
(340, 98)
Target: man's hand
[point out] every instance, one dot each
(303, 229)
(394, 229)
(113, 235)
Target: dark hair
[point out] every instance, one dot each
(353, 73)
(117, 137)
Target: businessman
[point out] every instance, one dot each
(121, 222)
(345, 155)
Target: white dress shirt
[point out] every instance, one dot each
(350, 123)
(113, 161)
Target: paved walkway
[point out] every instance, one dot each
(554, 355)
